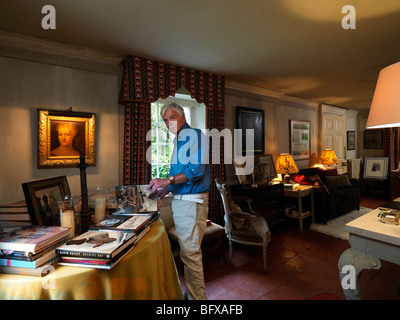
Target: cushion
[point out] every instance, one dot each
(338, 181)
(327, 172)
(316, 181)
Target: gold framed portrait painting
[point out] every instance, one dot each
(63, 136)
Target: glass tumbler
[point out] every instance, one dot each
(69, 214)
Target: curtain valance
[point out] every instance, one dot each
(145, 80)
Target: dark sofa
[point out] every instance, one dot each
(334, 195)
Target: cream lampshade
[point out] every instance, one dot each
(328, 157)
(286, 165)
(385, 107)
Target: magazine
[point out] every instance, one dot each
(126, 223)
(135, 199)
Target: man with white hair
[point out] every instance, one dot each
(189, 182)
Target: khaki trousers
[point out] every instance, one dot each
(190, 220)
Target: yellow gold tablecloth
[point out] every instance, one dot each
(147, 273)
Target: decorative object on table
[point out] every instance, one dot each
(68, 214)
(300, 139)
(251, 119)
(328, 158)
(264, 168)
(373, 139)
(389, 216)
(376, 167)
(98, 200)
(63, 136)
(41, 198)
(351, 140)
(285, 165)
(85, 211)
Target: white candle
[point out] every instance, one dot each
(99, 209)
(68, 221)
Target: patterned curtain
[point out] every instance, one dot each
(145, 81)
(391, 147)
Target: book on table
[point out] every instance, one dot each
(134, 199)
(127, 223)
(49, 256)
(97, 244)
(14, 214)
(32, 239)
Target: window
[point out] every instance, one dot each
(161, 142)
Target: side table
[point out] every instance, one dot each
(299, 194)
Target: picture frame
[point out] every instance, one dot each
(41, 197)
(63, 136)
(376, 168)
(373, 139)
(248, 118)
(267, 166)
(300, 139)
(351, 140)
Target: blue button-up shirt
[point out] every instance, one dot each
(190, 156)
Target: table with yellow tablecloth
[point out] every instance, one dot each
(148, 272)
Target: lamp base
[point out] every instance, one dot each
(287, 178)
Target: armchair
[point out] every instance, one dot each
(243, 227)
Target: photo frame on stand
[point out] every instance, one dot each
(41, 198)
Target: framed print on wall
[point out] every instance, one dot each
(373, 139)
(248, 118)
(63, 136)
(300, 139)
(351, 140)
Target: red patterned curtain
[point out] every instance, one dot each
(145, 81)
(391, 147)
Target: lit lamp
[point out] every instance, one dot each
(385, 107)
(328, 157)
(285, 165)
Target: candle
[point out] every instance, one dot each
(68, 221)
(99, 209)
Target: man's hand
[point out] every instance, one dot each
(159, 186)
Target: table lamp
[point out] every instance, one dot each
(285, 165)
(328, 157)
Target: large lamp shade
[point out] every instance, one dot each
(385, 107)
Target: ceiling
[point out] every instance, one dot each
(295, 47)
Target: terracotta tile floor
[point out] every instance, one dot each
(301, 265)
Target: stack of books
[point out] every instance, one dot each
(29, 250)
(14, 214)
(108, 241)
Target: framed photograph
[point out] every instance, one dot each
(63, 136)
(240, 173)
(41, 198)
(266, 167)
(247, 119)
(373, 139)
(376, 167)
(351, 140)
(300, 139)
